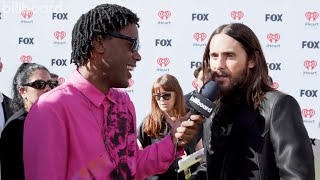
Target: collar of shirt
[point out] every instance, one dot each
(1, 97)
(90, 91)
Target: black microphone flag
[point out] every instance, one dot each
(202, 102)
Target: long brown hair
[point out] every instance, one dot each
(167, 82)
(257, 82)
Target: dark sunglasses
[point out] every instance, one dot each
(133, 41)
(165, 96)
(41, 84)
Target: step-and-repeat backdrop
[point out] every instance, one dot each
(173, 35)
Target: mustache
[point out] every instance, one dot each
(219, 73)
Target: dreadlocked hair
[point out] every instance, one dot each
(99, 20)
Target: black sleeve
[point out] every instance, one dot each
(142, 136)
(11, 151)
(205, 134)
(290, 141)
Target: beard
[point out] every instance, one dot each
(236, 81)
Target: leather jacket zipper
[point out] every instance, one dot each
(222, 169)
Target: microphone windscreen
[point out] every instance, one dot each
(210, 90)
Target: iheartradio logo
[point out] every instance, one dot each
(26, 14)
(131, 82)
(25, 58)
(163, 62)
(61, 80)
(164, 15)
(312, 16)
(275, 85)
(199, 36)
(273, 37)
(237, 15)
(194, 84)
(59, 35)
(308, 113)
(310, 64)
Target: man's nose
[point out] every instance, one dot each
(137, 56)
(220, 63)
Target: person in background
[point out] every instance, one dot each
(256, 132)
(54, 77)
(86, 127)
(195, 74)
(5, 110)
(29, 83)
(167, 105)
(200, 78)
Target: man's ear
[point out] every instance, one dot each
(97, 44)
(251, 63)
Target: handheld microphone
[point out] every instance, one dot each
(202, 103)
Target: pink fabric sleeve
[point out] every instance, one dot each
(156, 158)
(45, 143)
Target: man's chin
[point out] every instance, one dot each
(225, 90)
(125, 85)
(121, 85)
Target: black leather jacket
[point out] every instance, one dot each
(267, 144)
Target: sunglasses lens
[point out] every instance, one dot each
(135, 45)
(40, 84)
(166, 96)
(53, 84)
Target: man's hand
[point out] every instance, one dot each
(184, 131)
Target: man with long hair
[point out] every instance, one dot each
(257, 132)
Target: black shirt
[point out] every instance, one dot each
(11, 153)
